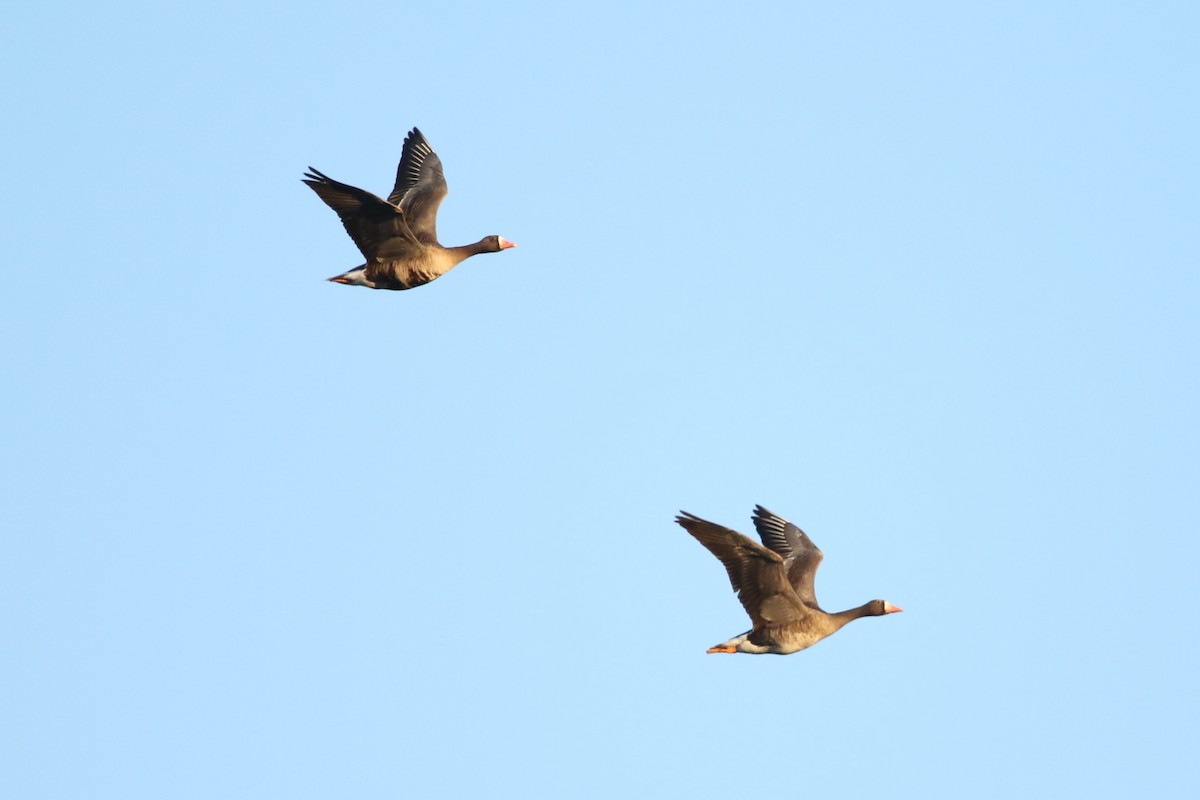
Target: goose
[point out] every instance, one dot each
(398, 236)
(775, 584)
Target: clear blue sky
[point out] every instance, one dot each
(921, 277)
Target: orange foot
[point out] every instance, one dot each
(722, 649)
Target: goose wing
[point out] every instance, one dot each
(755, 572)
(801, 556)
(420, 186)
(371, 221)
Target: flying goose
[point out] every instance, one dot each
(775, 584)
(398, 236)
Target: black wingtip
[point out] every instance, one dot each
(764, 514)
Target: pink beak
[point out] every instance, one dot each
(888, 608)
(507, 244)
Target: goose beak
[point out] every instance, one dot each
(721, 650)
(505, 244)
(888, 608)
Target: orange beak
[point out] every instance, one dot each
(888, 608)
(507, 244)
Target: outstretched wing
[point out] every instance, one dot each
(756, 573)
(369, 220)
(420, 186)
(801, 556)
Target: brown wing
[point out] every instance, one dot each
(371, 221)
(756, 573)
(420, 186)
(801, 556)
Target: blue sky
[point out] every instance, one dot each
(920, 277)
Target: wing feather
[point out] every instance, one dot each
(420, 186)
(371, 221)
(801, 556)
(755, 572)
